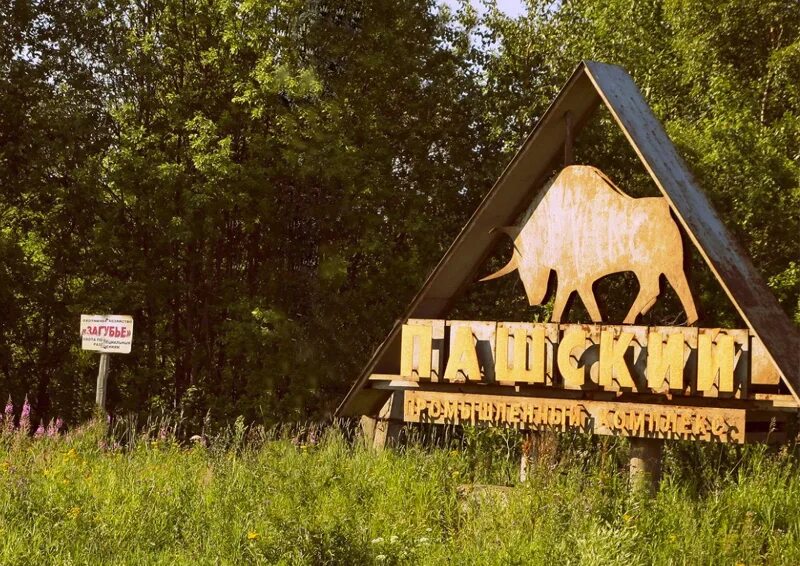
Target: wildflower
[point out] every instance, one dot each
(51, 429)
(162, 433)
(59, 424)
(25, 417)
(40, 430)
(8, 417)
(252, 535)
(74, 512)
(626, 518)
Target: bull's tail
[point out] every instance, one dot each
(512, 232)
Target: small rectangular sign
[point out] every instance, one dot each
(598, 417)
(107, 333)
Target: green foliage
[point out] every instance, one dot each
(264, 185)
(257, 497)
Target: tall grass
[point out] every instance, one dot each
(323, 497)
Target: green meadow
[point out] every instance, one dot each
(253, 496)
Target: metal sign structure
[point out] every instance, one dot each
(107, 334)
(637, 235)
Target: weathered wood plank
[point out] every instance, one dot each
(758, 401)
(599, 417)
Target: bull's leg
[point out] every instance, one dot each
(648, 292)
(560, 303)
(677, 278)
(587, 296)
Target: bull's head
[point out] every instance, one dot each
(534, 276)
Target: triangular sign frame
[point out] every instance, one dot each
(591, 84)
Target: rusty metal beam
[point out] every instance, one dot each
(726, 259)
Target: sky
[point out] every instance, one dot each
(512, 8)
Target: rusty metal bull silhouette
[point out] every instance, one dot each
(584, 228)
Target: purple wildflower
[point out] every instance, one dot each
(8, 418)
(25, 417)
(51, 429)
(59, 424)
(163, 433)
(40, 430)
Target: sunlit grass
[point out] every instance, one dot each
(264, 498)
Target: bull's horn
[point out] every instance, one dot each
(509, 267)
(512, 232)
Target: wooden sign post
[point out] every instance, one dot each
(107, 334)
(102, 378)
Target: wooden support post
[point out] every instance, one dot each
(389, 422)
(102, 379)
(530, 449)
(569, 153)
(368, 425)
(645, 463)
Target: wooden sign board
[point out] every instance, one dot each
(705, 362)
(598, 417)
(107, 333)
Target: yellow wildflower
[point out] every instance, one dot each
(252, 535)
(74, 512)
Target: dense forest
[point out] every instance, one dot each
(265, 184)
